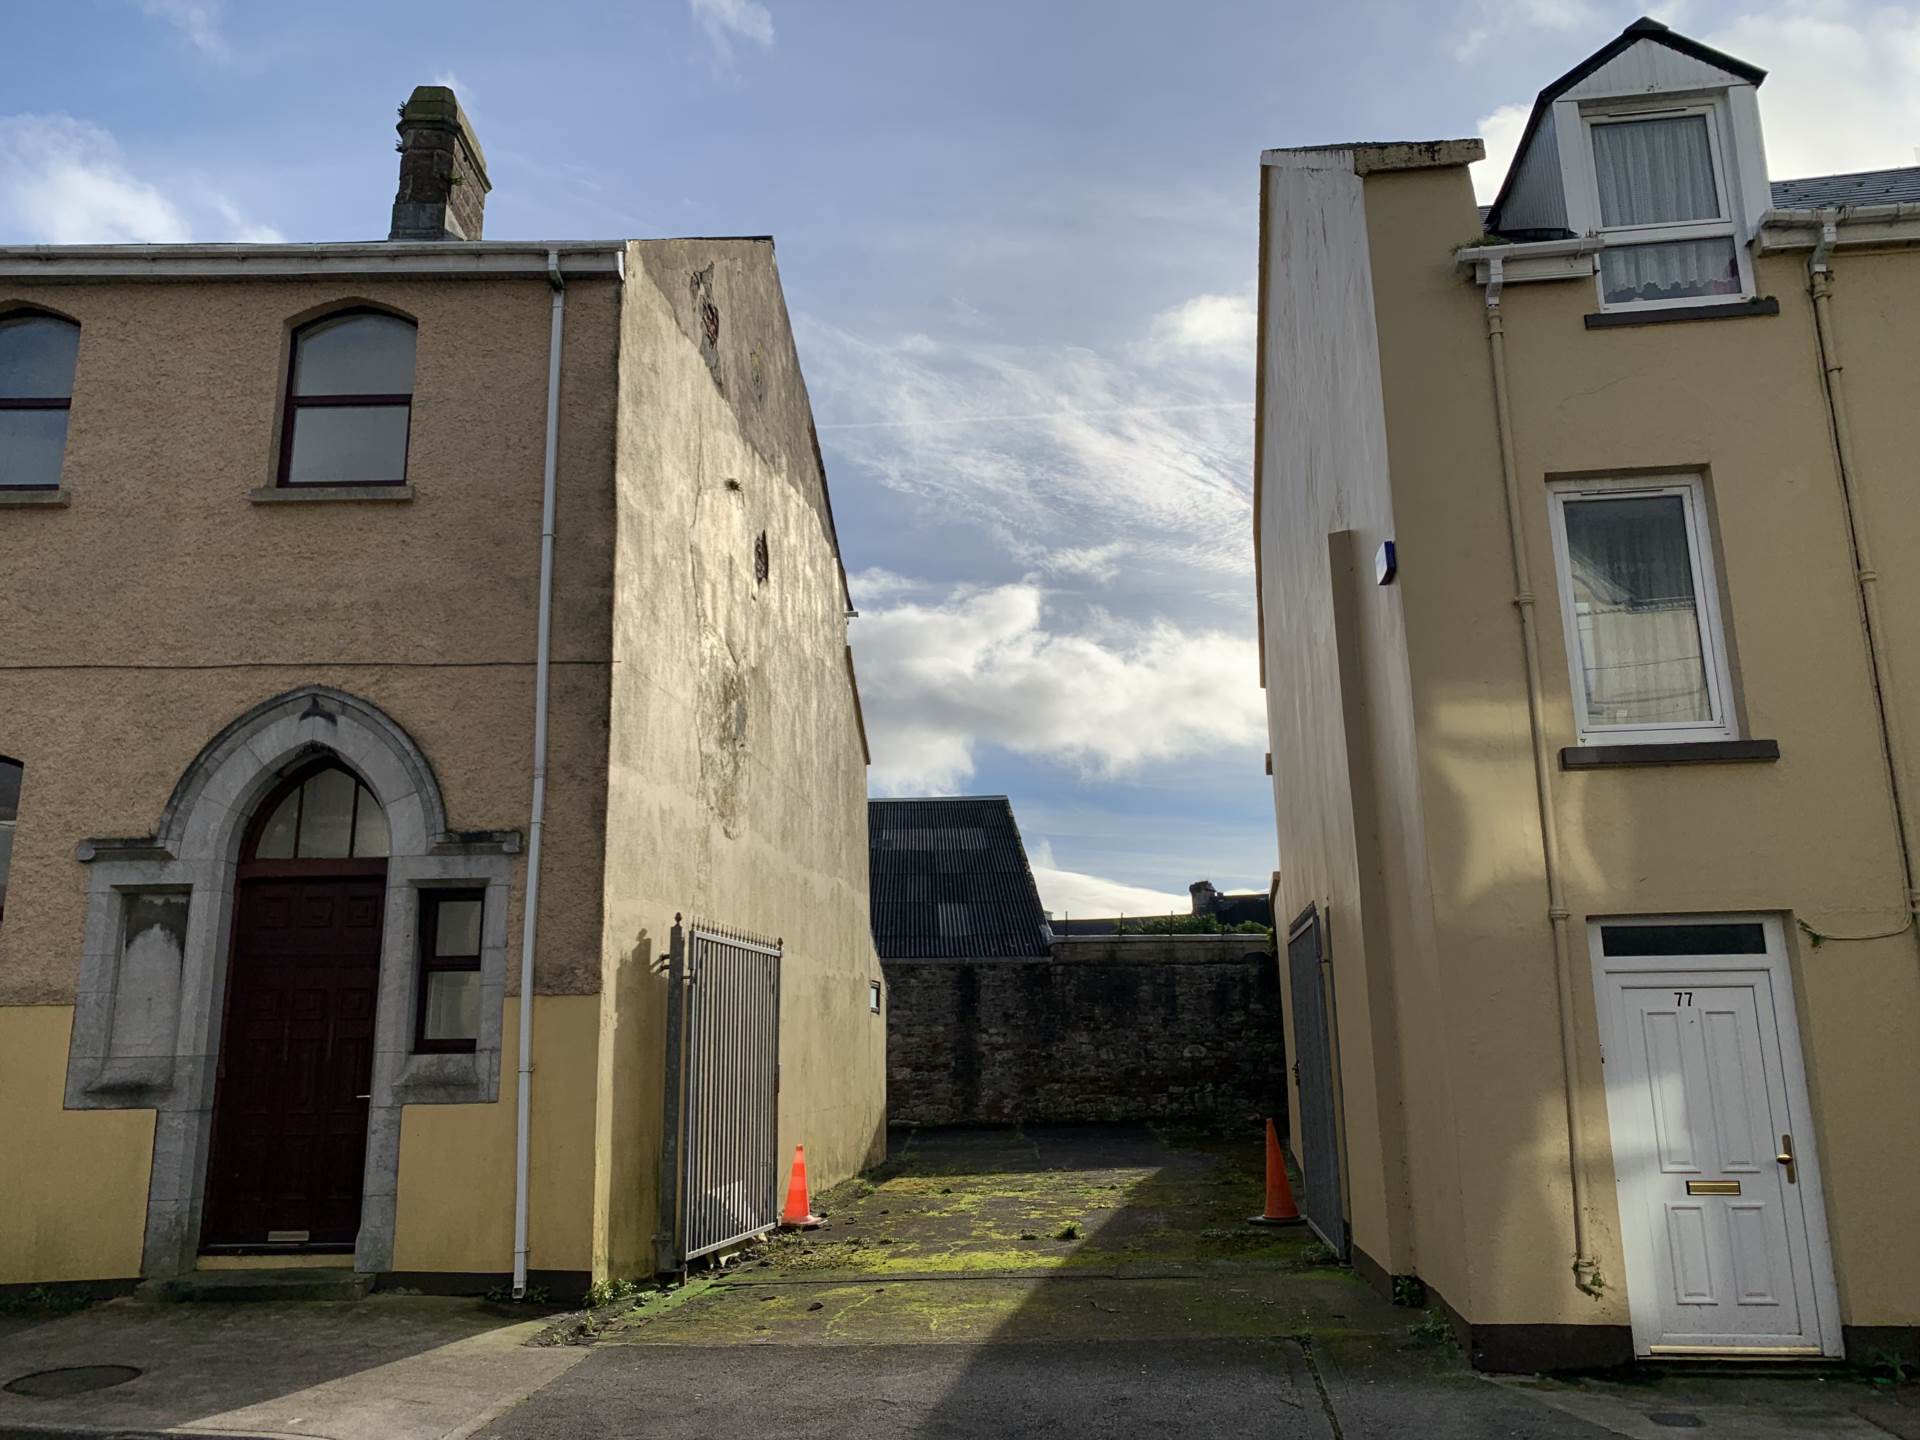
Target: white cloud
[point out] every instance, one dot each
(1501, 132)
(1069, 893)
(197, 20)
(981, 666)
(1210, 327)
(1843, 84)
(63, 182)
(728, 20)
(1060, 453)
(1490, 16)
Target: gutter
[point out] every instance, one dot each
(477, 259)
(530, 917)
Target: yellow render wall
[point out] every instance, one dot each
(73, 1183)
(455, 1206)
(1809, 836)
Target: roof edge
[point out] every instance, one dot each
(1375, 157)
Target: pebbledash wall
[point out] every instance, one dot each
(705, 752)
(1112, 1028)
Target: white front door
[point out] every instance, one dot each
(1720, 1208)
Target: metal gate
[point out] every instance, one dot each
(1310, 982)
(719, 1170)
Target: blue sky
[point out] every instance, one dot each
(1018, 243)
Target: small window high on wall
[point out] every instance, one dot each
(11, 772)
(349, 401)
(1666, 219)
(37, 355)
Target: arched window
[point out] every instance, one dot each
(349, 401)
(323, 814)
(36, 390)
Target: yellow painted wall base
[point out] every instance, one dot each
(455, 1210)
(73, 1183)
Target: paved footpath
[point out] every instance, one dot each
(1058, 1283)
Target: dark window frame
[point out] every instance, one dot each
(14, 825)
(41, 402)
(432, 963)
(253, 868)
(292, 404)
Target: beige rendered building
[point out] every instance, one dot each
(353, 594)
(1591, 642)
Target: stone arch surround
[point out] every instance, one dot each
(147, 1020)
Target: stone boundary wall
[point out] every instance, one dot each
(1183, 1027)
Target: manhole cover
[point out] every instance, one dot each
(73, 1380)
(1677, 1420)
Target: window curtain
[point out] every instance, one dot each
(1652, 172)
(1636, 612)
(1671, 270)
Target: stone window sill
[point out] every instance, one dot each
(50, 496)
(316, 494)
(1674, 314)
(1692, 752)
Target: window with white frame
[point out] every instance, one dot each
(1644, 639)
(1668, 223)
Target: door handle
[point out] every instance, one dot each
(363, 1097)
(1785, 1157)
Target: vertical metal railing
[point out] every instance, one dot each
(719, 1181)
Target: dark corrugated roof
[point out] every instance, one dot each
(1863, 187)
(949, 879)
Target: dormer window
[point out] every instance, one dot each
(1649, 154)
(1660, 193)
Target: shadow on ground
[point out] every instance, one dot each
(389, 1365)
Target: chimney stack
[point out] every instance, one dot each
(443, 175)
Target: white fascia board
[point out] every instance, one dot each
(1531, 260)
(483, 259)
(1854, 227)
(1749, 159)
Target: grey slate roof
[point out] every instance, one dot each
(949, 879)
(1863, 187)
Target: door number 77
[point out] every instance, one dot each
(1683, 997)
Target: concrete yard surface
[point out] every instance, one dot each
(390, 1367)
(1006, 1283)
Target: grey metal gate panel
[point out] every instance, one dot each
(719, 1181)
(1319, 1150)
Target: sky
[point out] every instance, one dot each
(1017, 239)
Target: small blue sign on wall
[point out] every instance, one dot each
(1385, 564)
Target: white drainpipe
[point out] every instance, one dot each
(1586, 1269)
(530, 921)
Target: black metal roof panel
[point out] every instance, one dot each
(949, 879)
(1862, 187)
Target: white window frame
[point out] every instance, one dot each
(1706, 590)
(1727, 226)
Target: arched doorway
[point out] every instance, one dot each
(287, 1157)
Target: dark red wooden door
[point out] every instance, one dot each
(290, 1117)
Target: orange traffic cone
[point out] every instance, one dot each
(799, 1212)
(1280, 1207)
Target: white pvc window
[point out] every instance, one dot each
(1637, 590)
(1667, 226)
